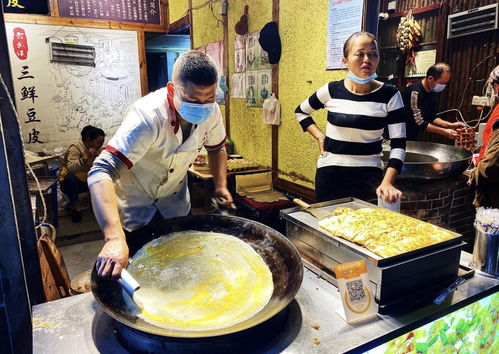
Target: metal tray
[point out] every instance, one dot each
(307, 221)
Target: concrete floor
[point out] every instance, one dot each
(79, 243)
(81, 256)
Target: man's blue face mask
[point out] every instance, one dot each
(195, 113)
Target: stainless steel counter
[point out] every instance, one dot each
(77, 324)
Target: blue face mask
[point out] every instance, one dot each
(438, 88)
(360, 80)
(195, 113)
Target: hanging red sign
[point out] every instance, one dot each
(20, 43)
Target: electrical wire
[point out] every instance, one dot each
(200, 6)
(24, 154)
(471, 79)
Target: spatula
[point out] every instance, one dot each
(128, 283)
(319, 214)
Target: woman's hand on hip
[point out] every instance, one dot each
(320, 140)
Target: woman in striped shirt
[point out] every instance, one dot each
(359, 110)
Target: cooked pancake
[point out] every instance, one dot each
(384, 232)
(200, 281)
(341, 210)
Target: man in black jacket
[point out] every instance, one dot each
(420, 105)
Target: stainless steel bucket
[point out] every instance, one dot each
(486, 253)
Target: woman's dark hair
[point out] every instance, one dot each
(348, 42)
(91, 132)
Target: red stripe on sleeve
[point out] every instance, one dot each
(217, 145)
(119, 155)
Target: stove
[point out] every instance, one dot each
(274, 335)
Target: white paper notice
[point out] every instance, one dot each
(344, 18)
(238, 86)
(240, 54)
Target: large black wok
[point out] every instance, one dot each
(428, 161)
(276, 250)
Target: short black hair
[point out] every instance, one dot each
(437, 70)
(195, 67)
(91, 132)
(346, 45)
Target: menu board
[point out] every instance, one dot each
(140, 11)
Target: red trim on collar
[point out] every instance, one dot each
(119, 155)
(169, 96)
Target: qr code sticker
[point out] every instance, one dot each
(356, 290)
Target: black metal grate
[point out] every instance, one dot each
(476, 20)
(75, 54)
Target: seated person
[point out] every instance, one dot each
(77, 161)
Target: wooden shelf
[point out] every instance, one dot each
(417, 11)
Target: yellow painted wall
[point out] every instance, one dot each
(177, 9)
(252, 138)
(302, 27)
(205, 28)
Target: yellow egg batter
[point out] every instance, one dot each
(199, 281)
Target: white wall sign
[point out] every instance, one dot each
(422, 60)
(344, 18)
(54, 100)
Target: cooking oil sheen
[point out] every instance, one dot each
(199, 281)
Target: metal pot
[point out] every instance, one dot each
(276, 250)
(428, 161)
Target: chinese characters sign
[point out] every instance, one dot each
(56, 100)
(27, 87)
(141, 11)
(26, 6)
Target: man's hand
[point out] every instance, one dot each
(450, 133)
(92, 152)
(224, 193)
(456, 125)
(112, 258)
(388, 192)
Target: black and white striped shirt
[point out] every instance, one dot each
(355, 125)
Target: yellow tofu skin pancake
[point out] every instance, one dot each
(384, 232)
(199, 281)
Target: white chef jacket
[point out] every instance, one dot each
(149, 144)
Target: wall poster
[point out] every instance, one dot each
(56, 100)
(422, 60)
(140, 11)
(258, 72)
(344, 18)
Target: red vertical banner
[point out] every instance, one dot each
(20, 43)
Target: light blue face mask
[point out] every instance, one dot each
(360, 80)
(195, 113)
(438, 88)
